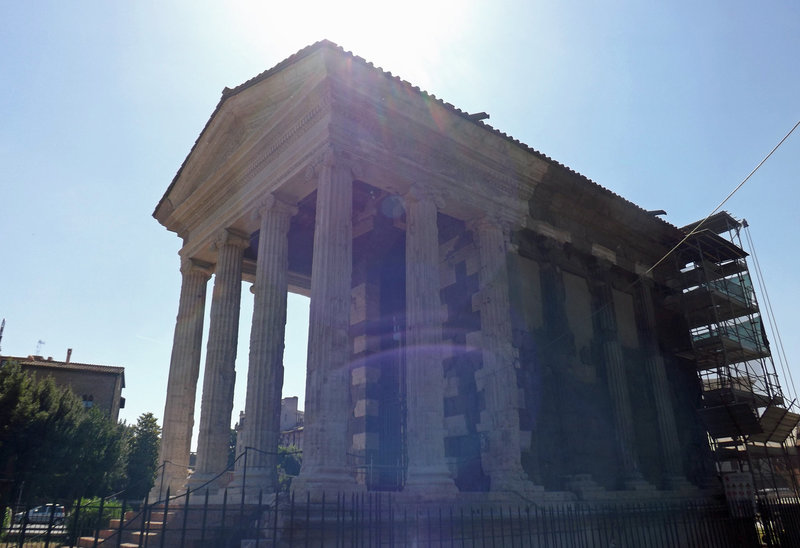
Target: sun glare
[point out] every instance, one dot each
(406, 38)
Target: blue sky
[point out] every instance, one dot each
(668, 104)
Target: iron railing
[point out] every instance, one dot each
(390, 519)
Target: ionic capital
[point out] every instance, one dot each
(194, 266)
(231, 236)
(423, 193)
(491, 222)
(328, 159)
(270, 204)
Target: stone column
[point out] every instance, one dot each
(184, 368)
(220, 373)
(498, 377)
(618, 388)
(328, 407)
(674, 477)
(265, 373)
(427, 471)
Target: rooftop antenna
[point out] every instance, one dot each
(39, 347)
(2, 326)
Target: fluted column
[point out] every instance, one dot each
(184, 368)
(654, 364)
(498, 376)
(618, 386)
(427, 471)
(265, 373)
(220, 373)
(328, 408)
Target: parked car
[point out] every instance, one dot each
(41, 514)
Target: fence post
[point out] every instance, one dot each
(164, 519)
(49, 526)
(258, 514)
(185, 517)
(73, 541)
(222, 518)
(291, 520)
(99, 520)
(23, 525)
(244, 479)
(205, 515)
(121, 523)
(322, 522)
(161, 482)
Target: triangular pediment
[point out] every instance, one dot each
(243, 119)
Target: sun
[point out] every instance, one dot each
(406, 38)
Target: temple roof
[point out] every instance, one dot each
(228, 93)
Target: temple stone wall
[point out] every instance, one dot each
(458, 271)
(567, 406)
(376, 328)
(685, 392)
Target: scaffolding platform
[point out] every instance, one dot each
(729, 421)
(777, 424)
(721, 349)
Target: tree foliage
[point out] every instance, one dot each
(143, 445)
(50, 443)
(290, 459)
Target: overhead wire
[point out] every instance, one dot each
(776, 335)
(695, 228)
(722, 203)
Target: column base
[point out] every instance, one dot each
(202, 481)
(175, 484)
(430, 483)
(636, 482)
(679, 484)
(328, 481)
(515, 481)
(258, 481)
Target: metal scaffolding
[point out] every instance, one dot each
(749, 421)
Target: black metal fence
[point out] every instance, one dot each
(388, 519)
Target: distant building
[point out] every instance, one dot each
(291, 423)
(97, 385)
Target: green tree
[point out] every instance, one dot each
(143, 456)
(49, 443)
(290, 459)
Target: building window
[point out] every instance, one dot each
(88, 401)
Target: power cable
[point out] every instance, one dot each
(728, 197)
(784, 363)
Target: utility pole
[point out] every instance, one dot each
(2, 326)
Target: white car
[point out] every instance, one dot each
(41, 514)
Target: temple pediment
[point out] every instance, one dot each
(267, 133)
(250, 126)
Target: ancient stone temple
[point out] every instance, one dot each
(482, 318)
